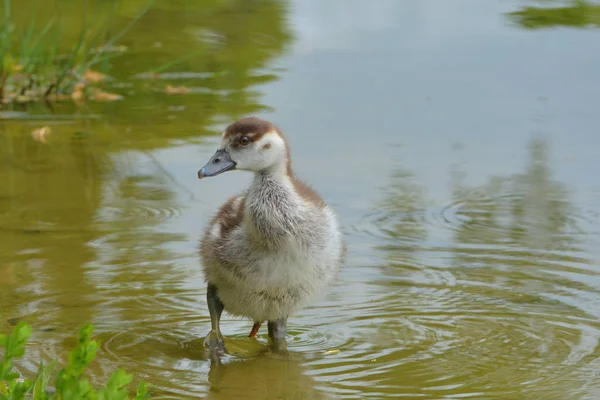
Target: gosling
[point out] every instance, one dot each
(272, 249)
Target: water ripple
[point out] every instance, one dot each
(139, 210)
(504, 218)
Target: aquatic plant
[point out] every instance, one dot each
(34, 64)
(574, 14)
(69, 382)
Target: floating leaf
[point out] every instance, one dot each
(41, 134)
(77, 94)
(176, 89)
(94, 76)
(106, 96)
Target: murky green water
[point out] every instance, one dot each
(460, 150)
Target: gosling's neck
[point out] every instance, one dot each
(279, 174)
(281, 179)
(272, 203)
(277, 181)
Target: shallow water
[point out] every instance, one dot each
(458, 148)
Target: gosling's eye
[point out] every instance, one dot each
(244, 140)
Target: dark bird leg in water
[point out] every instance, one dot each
(255, 329)
(214, 340)
(277, 332)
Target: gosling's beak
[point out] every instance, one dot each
(219, 163)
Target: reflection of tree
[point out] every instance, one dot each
(576, 14)
(500, 292)
(402, 218)
(137, 252)
(52, 194)
(526, 210)
(84, 232)
(524, 218)
(68, 204)
(522, 227)
(229, 42)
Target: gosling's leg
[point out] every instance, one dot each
(277, 332)
(255, 329)
(214, 340)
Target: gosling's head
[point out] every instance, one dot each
(249, 144)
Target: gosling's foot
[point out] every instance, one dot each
(279, 346)
(214, 342)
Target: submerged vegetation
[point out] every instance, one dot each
(69, 382)
(574, 14)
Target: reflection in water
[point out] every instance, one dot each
(261, 378)
(220, 50)
(527, 210)
(51, 197)
(86, 218)
(485, 289)
(77, 202)
(516, 252)
(402, 221)
(230, 43)
(500, 306)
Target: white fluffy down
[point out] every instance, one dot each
(286, 251)
(266, 153)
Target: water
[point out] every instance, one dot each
(458, 148)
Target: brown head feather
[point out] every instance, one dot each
(255, 128)
(252, 127)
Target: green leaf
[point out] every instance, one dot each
(83, 354)
(18, 389)
(15, 343)
(41, 382)
(3, 390)
(115, 387)
(10, 376)
(142, 391)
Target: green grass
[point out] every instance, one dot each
(36, 65)
(70, 382)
